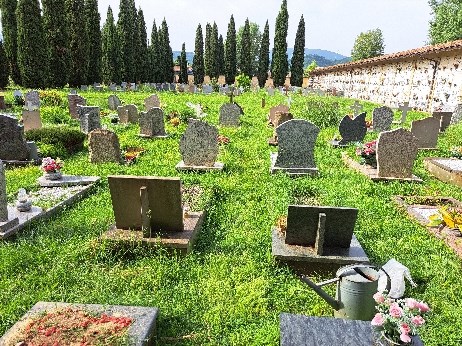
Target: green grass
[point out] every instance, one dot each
(229, 290)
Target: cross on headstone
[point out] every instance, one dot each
(356, 108)
(404, 108)
(230, 94)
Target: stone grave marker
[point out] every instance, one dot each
(165, 87)
(278, 119)
(296, 140)
(404, 108)
(32, 99)
(352, 130)
(230, 115)
(84, 87)
(17, 93)
(74, 101)
(426, 132)
(444, 118)
(273, 110)
(151, 102)
(199, 147)
(104, 146)
(113, 87)
(2, 102)
(382, 118)
(113, 102)
(172, 87)
(13, 146)
(270, 91)
(31, 119)
(90, 118)
(207, 89)
(5, 222)
(192, 89)
(124, 85)
(128, 114)
(152, 123)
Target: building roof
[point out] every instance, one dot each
(422, 52)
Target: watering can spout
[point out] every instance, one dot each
(335, 304)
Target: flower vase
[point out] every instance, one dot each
(53, 175)
(384, 340)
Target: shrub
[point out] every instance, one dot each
(57, 141)
(243, 81)
(322, 112)
(50, 98)
(55, 115)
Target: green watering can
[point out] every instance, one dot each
(356, 285)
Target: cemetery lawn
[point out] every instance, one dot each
(229, 290)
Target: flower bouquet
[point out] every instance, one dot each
(52, 168)
(222, 139)
(368, 153)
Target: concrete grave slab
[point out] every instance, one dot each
(68, 180)
(448, 170)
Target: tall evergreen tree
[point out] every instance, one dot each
(93, 27)
(198, 60)
(255, 43)
(4, 69)
(32, 59)
(142, 55)
(78, 43)
(166, 54)
(214, 51)
(9, 32)
(221, 56)
(263, 61)
(56, 38)
(126, 28)
(245, 63)
(183, 65)
(111, 58)
(154, 53)
(230, 52)
(208, 55)
(298, 57)
(280, 64)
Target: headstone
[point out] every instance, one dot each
(152, 123)
(74, 101)
(279, 118)
(199, 146)
(5, 222)
(444, 118)
(382, 118)
(2, 102)
(31, 120)
(103, 146)
(159, 86)
(426, 132)
(192, 89)
(151, 102)
(128, 114)
(404, 108)
(207, 89)
(133, 87)
(270, 91)
(396, 152)
(352, 130)
(165, 87)
(17, 93)
(229, 115)
(90, 118)
(124, 85)
(34, 99)
(113, 87)
(12, 143)
(172, 87)
(113, 102)
(296, 139)
(273, 110)
(84, 87)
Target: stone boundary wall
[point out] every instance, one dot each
(430, 78)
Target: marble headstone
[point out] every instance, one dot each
(199, 144)
(352, 130)
(230, 115)
(396, 152)
(90, 118)
(31, 120)
(151, 102)
(128, 114)
(32, 97)
(104, 146)
(74, 101)
(13, 146)
(113, 102)
(274, 110)
(382, 118)
(426, 132)
(152, 123)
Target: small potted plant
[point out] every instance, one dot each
(52, 168)
(368, 153)
(397, 320)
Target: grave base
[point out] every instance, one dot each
(140, 333)
(304, 260)
(217, 166)
(290, 171)
(67, 180)
(148, 136)
(11, 223)
(443, 172)
(372, 173)
(16, 163)
(182, 241)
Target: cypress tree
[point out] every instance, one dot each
(245, 63)
(230, 52)
(279, 61)
(9, 31)
(32, 59)
(154, 55)
(56, 38)
(221, 56)
(298, 58)
(166, 54)
(93, 22)
(198, 60)
(142, 55)
(4, 69)
(126, 28)
(183, 65)
(214, 51)
(78, 43)
(208, 55)
(111, 59)
(263, 61)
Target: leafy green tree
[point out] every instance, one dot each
(183, 65)
(92, 23)
(4, 69)
(142, 55)
(446, 24)
(280, 64)
(298, 57)
(255, 42)
(221, 56)
(208, 53)
(310, 68)
(9, 31)
(78, 43)
(32, 58)
(214, 51)
(198, 60)
(263, 58)
(368, 44)
(111, 60)
(166, 54)
(230, 52)
(126, 28)
(154, 52)
(245, 61)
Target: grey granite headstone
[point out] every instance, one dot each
(90, 118)
(426, 132)
(104, 146)
(13, 146)
(207, 89)
(396, 152)
(84, 87)
(352, 130)
(172, 87)
(152, 123)
(113, 102)
(74, 101)
(31, 119)
(165, 86)
(124, 85)
(444, 118)
(128, 114)
(230, 115)
(32, 97)
(151, 102)
(382, 118)
(274, 110)
(113, 87)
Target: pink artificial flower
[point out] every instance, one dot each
(378, 320)
(405, 329)
(405, 338)
(423, 307)
(379, 298)
(411, 303)
(395, 310)
(417, 320)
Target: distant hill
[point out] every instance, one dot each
(189, 56)
(322, 61)
(320, 52)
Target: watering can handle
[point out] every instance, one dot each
(356, 267)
